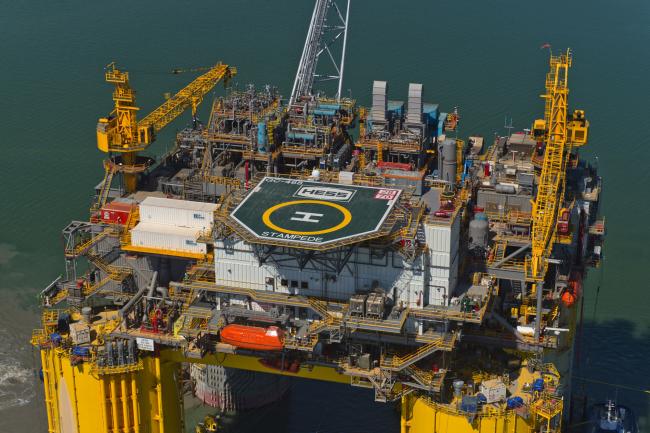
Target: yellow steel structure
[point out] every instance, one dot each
(422, 415)
(560, 134)
(88, 394)
(122, 133)
(80, 398)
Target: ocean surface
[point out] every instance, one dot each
(481, 56)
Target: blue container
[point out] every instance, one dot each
(441, 123)
(56, 338)
(538, 385)
(324, 112)
(301, 136)
(261, 136)
(469, 404)
(481, 217)
(396, 107)
(81, 351)
(515, 402)
(430, 113)
(333, 107)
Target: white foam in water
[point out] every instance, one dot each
(17, 384)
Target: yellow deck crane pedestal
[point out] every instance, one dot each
(121, 133)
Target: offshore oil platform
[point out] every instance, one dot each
(310, 237)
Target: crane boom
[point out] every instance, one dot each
(190, 96)
(561, 132)
(122, 133)
(550, 191)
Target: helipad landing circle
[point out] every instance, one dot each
(266, 217)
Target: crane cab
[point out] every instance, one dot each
(539, 129)
(578, 128)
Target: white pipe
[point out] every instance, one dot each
(304, 52)
(345, 40)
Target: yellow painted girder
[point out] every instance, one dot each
(550, 191)
(122, 132)
(252, 363)
(188, 97)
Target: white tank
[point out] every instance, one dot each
(233, 390)
(447, 155)
(478, 232)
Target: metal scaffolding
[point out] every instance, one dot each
(320, 37)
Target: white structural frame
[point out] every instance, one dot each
(315, 45)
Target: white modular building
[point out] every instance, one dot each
(167, 237)
(169, 225)
(427, 280)
(179, 213)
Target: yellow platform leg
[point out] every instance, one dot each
(85, 399)
(420, 415)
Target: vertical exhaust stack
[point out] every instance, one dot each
(414, 109)
(447, 159)
(379, 101)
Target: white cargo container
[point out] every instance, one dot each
(79, 333)
(346, 178)
(494, 390)
(166, 237)
(181, 213)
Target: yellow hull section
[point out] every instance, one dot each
(420, 415)
(145, 397)
(81, 399)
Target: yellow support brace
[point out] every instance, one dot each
(550, 191)
(122, 133)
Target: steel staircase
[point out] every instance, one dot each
(399, 363)
(106, 187)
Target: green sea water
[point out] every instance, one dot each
(481, 56)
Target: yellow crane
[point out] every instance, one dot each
(123, 134)
(560, 132)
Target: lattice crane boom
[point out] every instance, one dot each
(122, 133)
(551, 181)
(560, 133)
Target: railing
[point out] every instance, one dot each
(39, 338)
(59, 297)
(132, 220)
(399, 363)
(510, 216)
(307, 343)
(106, 187)
(79, 249)
(117, 369)
(116, 273)
(89, 290)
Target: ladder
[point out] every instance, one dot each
(106, 187)
(115, 273)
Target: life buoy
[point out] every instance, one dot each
(568, 298)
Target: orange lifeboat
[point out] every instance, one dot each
(253, 337)
(568, 298)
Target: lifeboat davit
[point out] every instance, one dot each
(253, 337)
